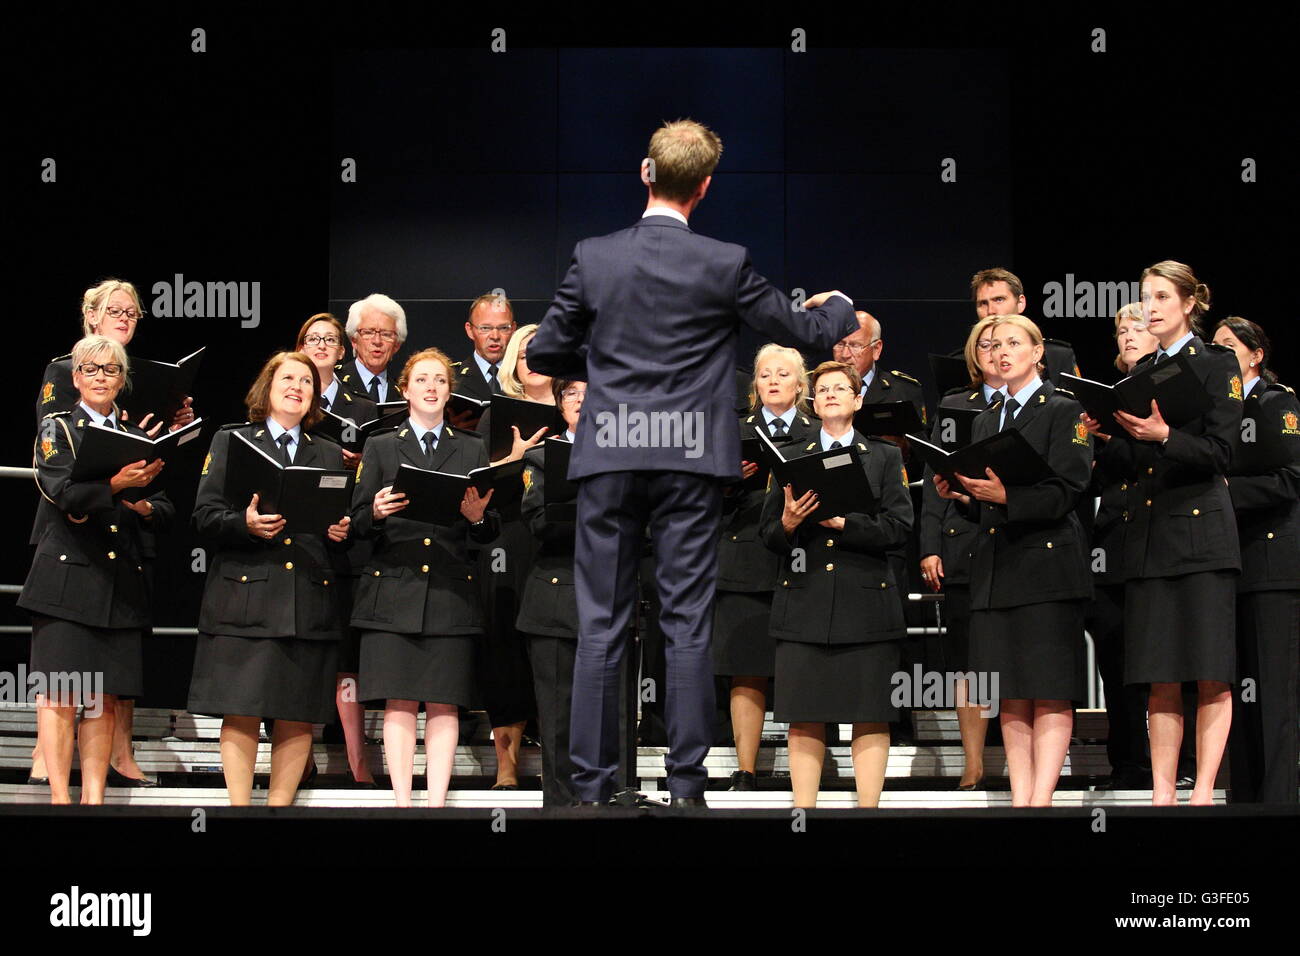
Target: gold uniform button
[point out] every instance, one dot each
(113, 528)
(1049, 544)
(424, 568)
(63, 557)
(1151, 471)
(884, 584)
(733, 537)
(1123, 486)
(139, 568)
(993, 530)
(785, 584)
(555, 580)
(288, 565)
(952, 531)
(1196, 511)
(830, 567)
(1148, 502)
(469, 577)
(326, 582)
(1126, 516)
(112, 555)
(376, 574)
(428, 541)
(243, 579)
(288, 540)
(1270, 536)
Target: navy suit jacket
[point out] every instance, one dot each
(655, 311)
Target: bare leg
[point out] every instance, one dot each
(38, 754)
(399, 746)
(1018, 740)
(54, 736)
(1213, 721)
(290, 749)
(748, 704)
(807, 743)
(1053, 721)
(352, 717)
(95, 744)
(123, 759)
(441, 731)
(239, 756)
(974, 729)
(1165, 726)
(870, 750)
(506, 740)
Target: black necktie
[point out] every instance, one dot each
(1010, 413)
(836, 444)
(284, 441)
(778, 427)
(494, 386)
(430, 442)
(1161, 356)
(325, 403)
(374, 389)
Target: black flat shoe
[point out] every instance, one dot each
(505, 786)
(743, 780)
(977, 785)
(116, 779)
(689, 802)
(39, 781)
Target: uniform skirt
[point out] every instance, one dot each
(1181, 629)
(437, 669)
(849, 683)
(743, 645)
(62, 647)
(281, 678)
(1036, 650)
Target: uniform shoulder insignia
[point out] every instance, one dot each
(528, 477)
(904, 376)
(1064, 391)
(61, 358)
(66, 411)
(1042, 399)
(1191, 350)
(1234, 387)
(749, 420)
(232, 425)
(811, 446)
(862, 446)
(47, 393)
(1213, 346)
(402, 433)
(306, 437)
(207, 461)
(804, 419)
(347, 396)
(1286, 388)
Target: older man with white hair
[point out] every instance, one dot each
(377, 328)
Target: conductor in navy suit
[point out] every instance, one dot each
(649, 317)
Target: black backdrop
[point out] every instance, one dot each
(478, 170)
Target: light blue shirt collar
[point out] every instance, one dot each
(1250, 386)
(483, 366)
(110, 420)
(1174, 349)
(331, 393)
(420, 432)
(366, 377)
(276, 430)
(867, 380)
(1022, 398)
(768, 417)
(665, 211)
(990, 391)
(569, 437)
(845, 440)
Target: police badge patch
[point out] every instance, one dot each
(1234, 386)
(47, 393)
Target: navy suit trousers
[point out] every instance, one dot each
(682, 511)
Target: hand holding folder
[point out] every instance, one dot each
(311, 500)
(836, 476)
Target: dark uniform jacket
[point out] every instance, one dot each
(1178, 510)
(470, 381)
(549, 606)
(286, 586)
(417, 566)
(350, 381)
(89, 562)
(1268, 505)
(744, 563)
(57, 393)
(357, 407)
(945, 530)
(1032, 549)
(838, 588)
(1059, 357)
(895, 386)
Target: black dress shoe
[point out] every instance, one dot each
(39, 781)
(116, 779)
(1185, 782)
(743, 780)
(977, 785)
(505, 786)
(689, 802)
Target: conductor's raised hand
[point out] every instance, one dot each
(819, 299)
(262, 526)
(135, 475)
(988, 489)
(339, 531)
(795, 511)
(386, 503)
(473, 506)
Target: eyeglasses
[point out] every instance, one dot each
(573, 394)
(91, 369)
(836, 389)
(984, 346)
(330, 340)
(132, 315)
(489, 329)
(387, 335)
(853, 348)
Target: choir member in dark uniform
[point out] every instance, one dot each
(1029, 574)
(1262, 746)
(490, 326)
(87, 591)
(1181, 551)
(837, 614)
(110, 308)
(1126, 704)
(743, 647)
(271, 616)
(377, 328)
(417, 603)
(548, 611)
(504, 676)
(947, 537)
(321, 339)
(999, 292)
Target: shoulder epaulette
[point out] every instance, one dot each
(959, 390)
(66, 411)
(1064, 391)
(905, 376)
(1212, 345)
(233, 425)
(1060, 342)
(61, 358)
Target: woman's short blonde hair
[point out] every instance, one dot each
(95, 300)
(795, 358)
(1132, 313)
(972, 349)
(506, 376)
(1026, 325)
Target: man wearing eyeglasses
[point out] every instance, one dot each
(377, 328)
(862, 350)
(491, 323)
